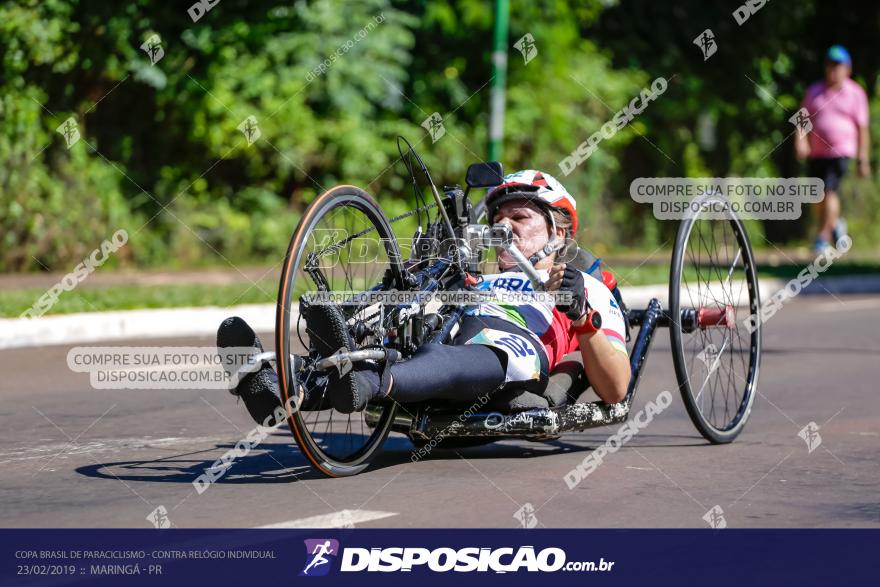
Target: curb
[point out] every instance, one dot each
(160, 323)
(130, 324)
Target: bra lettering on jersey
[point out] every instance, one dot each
(508, 283)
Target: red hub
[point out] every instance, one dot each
(723, 317)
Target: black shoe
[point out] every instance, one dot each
(326, 329)
(352, 391)
(348, 389)
(259, 390)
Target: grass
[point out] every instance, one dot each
(130, 297)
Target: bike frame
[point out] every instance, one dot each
(429, 422)
(542, 423)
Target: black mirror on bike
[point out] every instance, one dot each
(485, 175)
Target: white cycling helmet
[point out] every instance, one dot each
(540, 187)
(543, 189)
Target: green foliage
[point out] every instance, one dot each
(331, 84)
(56, 205)
(161, 144)
(744, 94)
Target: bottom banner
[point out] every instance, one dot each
(398, 557)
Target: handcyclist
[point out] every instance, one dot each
(497, 345)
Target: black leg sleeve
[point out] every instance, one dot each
(458, 373)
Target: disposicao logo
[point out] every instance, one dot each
(320, 553)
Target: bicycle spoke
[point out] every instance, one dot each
(714, 273)
(330, 258)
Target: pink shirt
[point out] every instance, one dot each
(836, 115)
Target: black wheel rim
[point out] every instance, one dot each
(717, 366)
(344, 248)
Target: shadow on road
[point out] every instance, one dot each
(515, 448)
(282, 462)
(278, 462)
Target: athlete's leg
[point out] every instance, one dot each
(459, 372)
(441, 371)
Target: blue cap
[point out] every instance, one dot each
(838, 54)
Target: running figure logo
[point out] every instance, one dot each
(525, 46)
(250, 128)
(810, 435)
(317, 552)
(710, 357)
(159, 517)
(434, 125)
(526, 516)
(715, 518)
(70, 131)
(802, 123)
(706, 42)
(153, 48)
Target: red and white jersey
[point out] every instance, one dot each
(544, 320)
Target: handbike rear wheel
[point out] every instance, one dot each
(717, 358)
(343, 242)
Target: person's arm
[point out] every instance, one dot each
(864, 151)
(861, 120)
(801, 145)
(607, 368)
(801, 142)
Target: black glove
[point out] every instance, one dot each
(573, 281)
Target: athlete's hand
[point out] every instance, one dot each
(554, 281)
(571, 280)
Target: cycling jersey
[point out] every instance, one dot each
(542, 318)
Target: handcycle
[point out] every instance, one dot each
(345, 245)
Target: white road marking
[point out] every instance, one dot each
(27, 453)
(340, 519)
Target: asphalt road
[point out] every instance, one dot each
(73, 456)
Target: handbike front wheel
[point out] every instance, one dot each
(343, 245)
(713, 292)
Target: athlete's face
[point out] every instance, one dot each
(530, 228)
